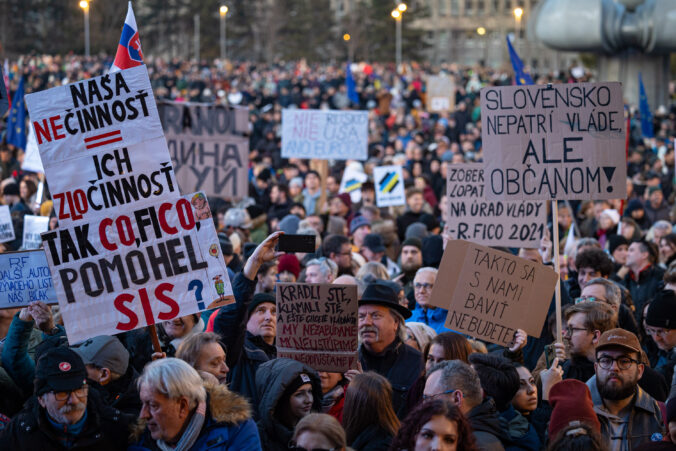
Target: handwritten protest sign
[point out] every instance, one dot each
(489, 294)
(389, 184)
(136, 268)
(33, 226)
(317, 325)
(102, 145)
(337, 135)
(440, 93)
(207, 149)
(566, 141)
(25, 278)
(471, 217)
(4, 101)
(6, 226)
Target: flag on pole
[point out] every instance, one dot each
(16, 123)
(522, 78)
(4, 95)
(351, 86)
(5, 77)
(644, 108)
(129, 53)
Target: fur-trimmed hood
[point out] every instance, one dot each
(225, 408)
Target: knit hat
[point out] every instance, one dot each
(258, 299)
(289, 224)
(412, 242)
(571, 402)
(416, 230)
(226, 244)
(432, 250)
(359, 221)
(662, 310)
(615, 241)
(11, 189)
(652, 189)
(345, 198)
(289, 262)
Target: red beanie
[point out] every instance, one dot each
(289, 262)
(571, 401)
(345, 199)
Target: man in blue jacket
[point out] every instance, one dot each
(423, 312)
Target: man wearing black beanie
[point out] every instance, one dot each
(661, 325)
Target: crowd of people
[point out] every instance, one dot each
(218, 383)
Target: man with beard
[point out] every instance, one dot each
(64, 413)
(338, 249)
(382, 349)
(411, 262)
(628, 415)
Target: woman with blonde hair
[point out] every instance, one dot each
(319, 431)
(205, 352)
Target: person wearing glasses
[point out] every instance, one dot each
(64, 414)
(424, 312)
(628, 415)
(661, 326)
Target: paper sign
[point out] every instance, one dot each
(566, 141)
(4, 101)
(6, 226)
(351, 183)
(317, 325)
(33, 226)
(389, 181)
(31, 159)
(207, 150)
(489, 294)
(440, 93)
(471, 217)
(25, 278)
(325, 135)
(137, 268)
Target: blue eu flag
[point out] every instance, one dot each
(644, 108)
(16, 123)
(522, 78)
(351, 86)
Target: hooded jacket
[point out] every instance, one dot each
(272, 379)
(227, 425)
(485, 423)
(521, 433)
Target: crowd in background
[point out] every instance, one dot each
(218, 383)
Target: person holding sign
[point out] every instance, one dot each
(381, 328)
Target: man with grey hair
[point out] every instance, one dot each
(459, 383)
(320, 270)
(180, 412)
(382, 349)
(424, 312)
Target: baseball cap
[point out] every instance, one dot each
(104, 351)
(619, 338)
(374, 242)
(59, 369)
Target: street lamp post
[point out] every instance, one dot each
(518, 13)
(84, 4)
(346, 38)
(398, 14)
(223, 10)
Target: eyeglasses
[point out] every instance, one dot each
(623, 363)
(660, 332)
(571, 330)
(427, 286)
(64, 395)
(447, 392)
(589, 299)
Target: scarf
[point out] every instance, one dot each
(191, 433)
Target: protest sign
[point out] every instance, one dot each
(4, 101)
(469, 216)
(440, 93)
(389, 184)
(206, 149)
(351, 182)
(25, 278)
(6, 226)
(125, 271)
(564, 141)
(317, 325)
(102, 145)
(325, 135)
(31, 159)
(33, 226)
(489, 294)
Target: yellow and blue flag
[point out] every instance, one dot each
(522, 78)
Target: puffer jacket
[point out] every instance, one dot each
(227, 425)
(272, 379)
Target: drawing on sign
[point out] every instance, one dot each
(353, 178)
(493, 293)
(207, 147)
(389, 182)
(566, 141)
(469, 216)
(337, 135)
(25, 278)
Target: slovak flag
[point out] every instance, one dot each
(129, 53)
